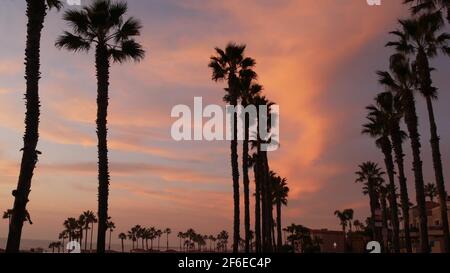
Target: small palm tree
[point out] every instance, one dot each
(91, 219)
(111, 227)
(180, 235)
(167, 231)
(102, 24)
(63, 236)
(344, 222)
(36, 12)
(371, 176)
(122, 236)
(280, 192)
(431, 191)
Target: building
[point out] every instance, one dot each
(434, 226)
(331, 241)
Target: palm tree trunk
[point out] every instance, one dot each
(440, 184)
(235, 173)
(385, 217)
(123, 249)
(36, 12)
(92, 233)
(257, 206)
(374, 205)
(269, 206)
(412, 124)
(387, 151)
(102, 66)
(279, 238)
(109, 244)
(86, 238)
(246, 185)
(398, 149)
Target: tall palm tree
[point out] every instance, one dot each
(71, 225)
(36, 12)
(280, 194)
(102, 24)
(401, 81)
(431, 191)
(248, 92)
(167, 231)
(255, 163)
(379, 127)
(392, 113)
(111, 227)
(420, 37)
(371, 176)
(122, 236)
(226, 66)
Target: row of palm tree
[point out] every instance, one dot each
(419, 39)
(141, 234)
(56, 245)
(101, 25)
(231, 65)
(77, 229)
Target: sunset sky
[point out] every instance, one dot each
(315, 59)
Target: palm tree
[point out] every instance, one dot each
(227, 65)
(430, 5)
(132, 235)
(167, 231)
(371, 176)
(91, 219)
(420, 38)
(248, 92)
(81, 224)
(111, 227)
(181, 236)
(71, 225)
(431, 191)
(253, 162)
(122, 237)
(36, 12)
(280, 194)
(344, 222)
(390, 110)
(103, 24)
(401, 81)
(158, 235)
(63, 236)
(379, 127)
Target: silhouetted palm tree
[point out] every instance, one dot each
(81, 224)
(255, 162)
(63, 236)
(420, 38)
(122, 236)
(280, 193)
(167, 231)
(371, 176)
(401, 81)
(181, 236)
(248, 92)
(227, 65)
(344, 222)
(103, 24)
(36, 12)
(379, 127)
(91, 219)
(431, 191)
(430, 5)
(71, 225)
(111, 227)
